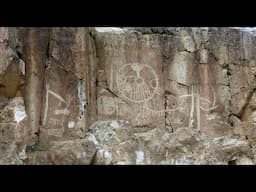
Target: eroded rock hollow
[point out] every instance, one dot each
(127, 96)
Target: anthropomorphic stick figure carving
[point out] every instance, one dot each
(60, 111)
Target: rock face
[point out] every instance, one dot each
(127, 96)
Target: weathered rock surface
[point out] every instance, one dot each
(158, 95)
(68, 152)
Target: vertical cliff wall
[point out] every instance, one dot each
(127, 96)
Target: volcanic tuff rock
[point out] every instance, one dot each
(131, 95)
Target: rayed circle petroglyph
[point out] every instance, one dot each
(137, 82)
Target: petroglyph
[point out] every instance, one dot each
(191, 119)
(46, 104)
(146, 113)
(55, 132)
(112, 107)
(209, 105)
(111, 77)
(138, 83)
(54, 122)
(69, 100)
(106, 105)
(71, 124)
(198, 103)
(198, 114)
(62, 111)
(56, 95)
(133, 85)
